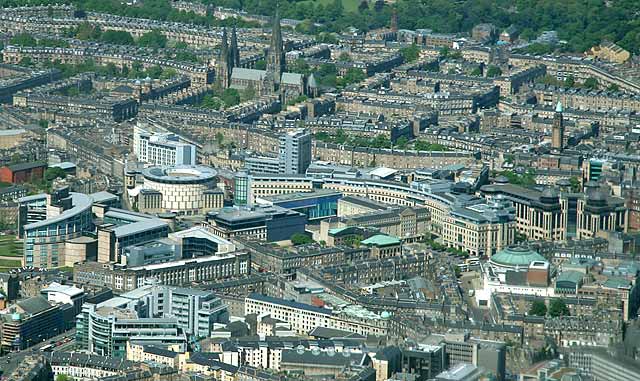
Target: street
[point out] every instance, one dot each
(11, 360)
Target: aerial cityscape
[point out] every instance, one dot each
(327, 190)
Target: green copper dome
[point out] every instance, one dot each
(516, 256)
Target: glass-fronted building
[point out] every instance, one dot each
(44, 238)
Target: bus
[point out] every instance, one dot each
(47, 348)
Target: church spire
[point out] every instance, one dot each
(275, 59)
(225, 66)
(235, 51)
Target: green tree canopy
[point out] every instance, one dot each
(558, 307)
(300, 239)
(231, 97)
(410, 53)
(153, 39)
(493, 71)
(117, 37)
(538, 308)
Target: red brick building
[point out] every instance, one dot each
(22, 173)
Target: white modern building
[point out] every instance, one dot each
(162, 149)
(185, 189)
(295, 152)
(57, 293)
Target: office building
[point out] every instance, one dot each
(295, 152)
(182, 272)
(265, 223)
(46, 222)
(196, 311)
(317, 204)
(57, 293)
(29, 322)
(540, 216)
(424, 360)
(603, 366)
(184, 189)
(200, 242)
(162, 149)
(481, 229)
(105, 329)
(113, 239)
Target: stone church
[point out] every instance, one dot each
(273, 80)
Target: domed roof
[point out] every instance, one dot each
(516, 256)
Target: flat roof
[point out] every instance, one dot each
(183, 262)
(180, 174)
(381, 240)
(301, 195)
(138, 227)
(199, 232)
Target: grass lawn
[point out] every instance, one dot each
(10, 263)
(349, 5)
(10, 247)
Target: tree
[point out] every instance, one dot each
(63, 377)
(494, 71)
(477, 72)
(591, 83)
(558, 307)
(25, 61)
(410, 53)
(344, 57)
(353, 240)
(230, 97)
(53, 173)
(117, 37)
(87, 31)
(23, 39)
(569, 82)
(210, 102)
(614, 88)
(538, 308)
(402, 142)
(260, 65)
(154, 72)
(363, 6)
(353, 75)
(300, 239)
(299, 66)
(154, 39)
(575, 184)
(219, 138)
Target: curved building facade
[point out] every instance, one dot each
(48, 221)
(185, 189)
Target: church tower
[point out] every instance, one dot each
(557, 135)
(225, 64)
(235, 51)
(275, 58)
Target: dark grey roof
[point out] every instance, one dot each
(34, 305)
(322, 358)
(160, 351)
(23, 166)
(329, 333)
